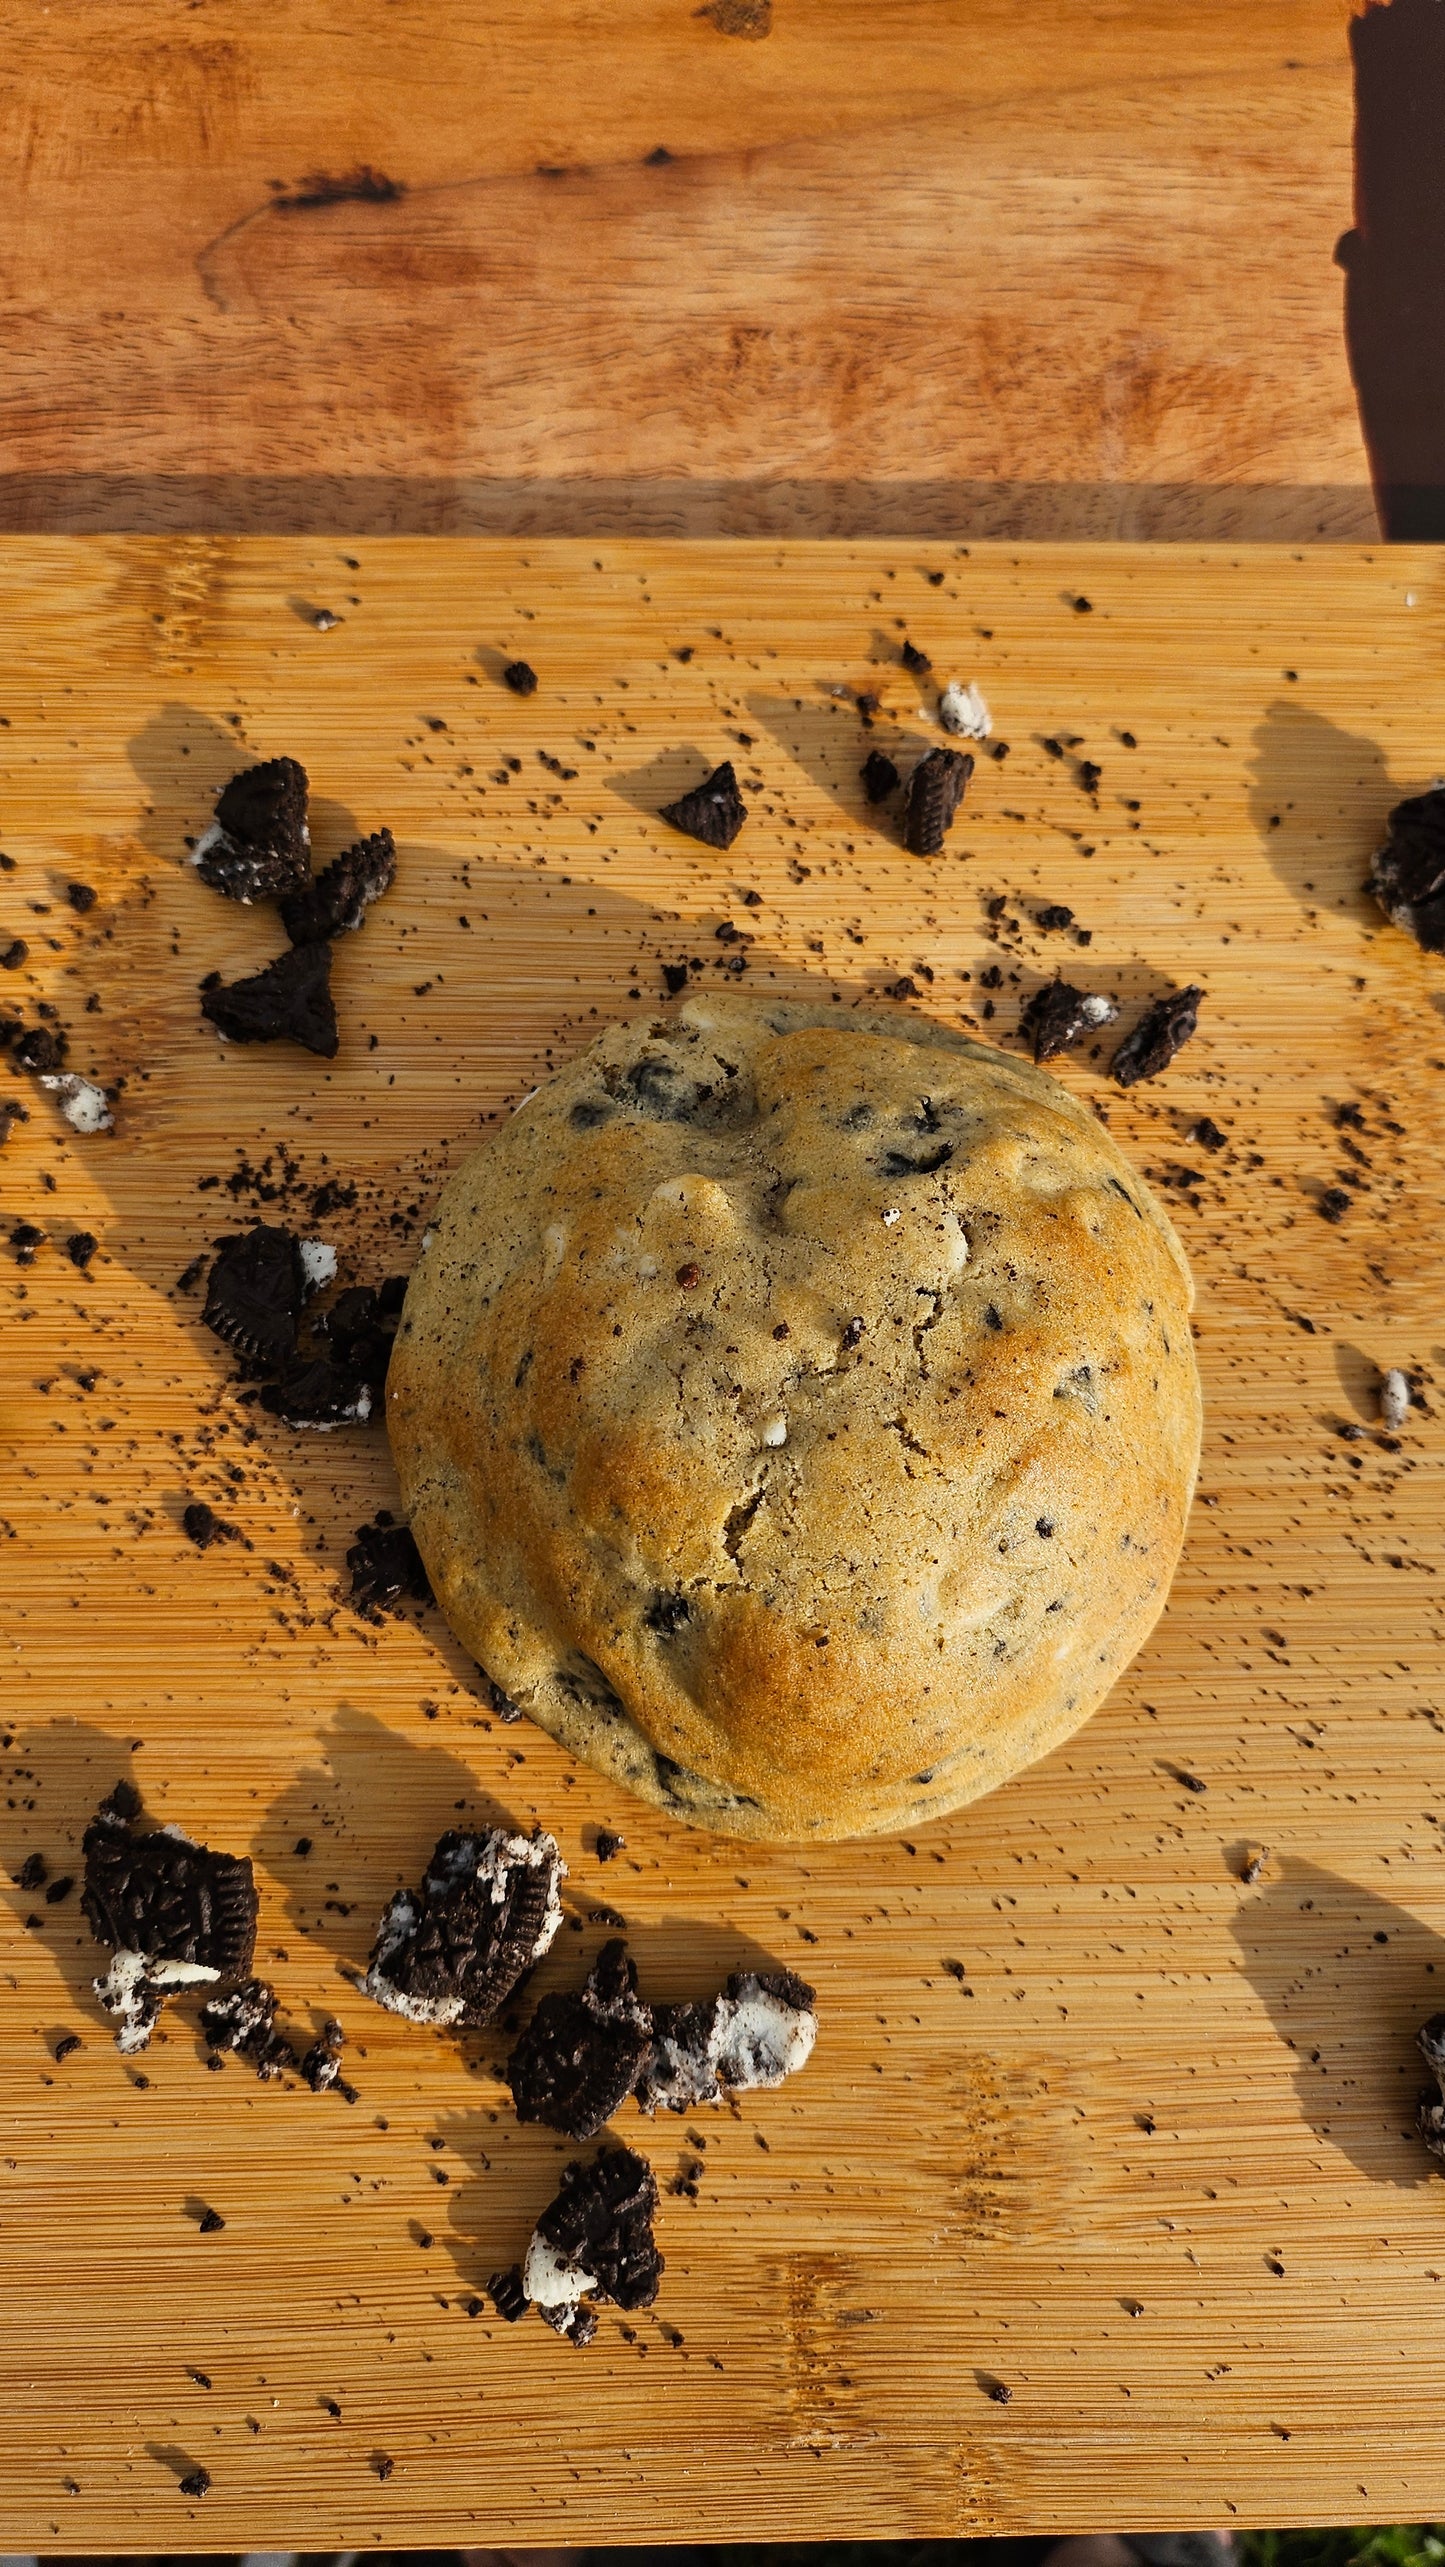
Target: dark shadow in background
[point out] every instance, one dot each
(1348, 1979)
(1394, 262)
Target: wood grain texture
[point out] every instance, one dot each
(904, 268)
(1149, 2161)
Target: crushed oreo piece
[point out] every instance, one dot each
(608, 1844)
(289, 1002)
(916, 660)
(1206, 1134)
(582, 2054)
(81, 897)
(760, 2030)
(254, 1294)
(1334, 1203)
(1407, 876)
(1058, 1016)
(674, 979)
(1430, 2119)
(595, 2240)
(173, 1913)
(360, 1328)
(11, 1113)
(14, 954)
(40, 1050)
(258, 847)
(520, 678)
(33, 1873)
(318, 1394)
(1054, 916)
(320, 2067)
(509, 2299)
(386, 1565)
(244, 2020)
(80, 1247)
(203, 1526)
(196, 2482)
(935, 790)
(880, 776)
(25, 1238)
(66, 2047)
(713, 812)
(209, 2222)
(337, 901)
(1162, 1031)
(451, 1952)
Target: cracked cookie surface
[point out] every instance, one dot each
(797, 1413)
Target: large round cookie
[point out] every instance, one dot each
(797, 1413)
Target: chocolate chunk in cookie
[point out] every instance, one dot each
(1162, 1031)
(582, 2054)
(339, 898)
(760, 2030)
(254, 1293)
(713, 811)
(289, 1002)
(451, 1952)
(258, 847)
(935, 790)
(1407, 876)
(173, 1913)
(594, 2240)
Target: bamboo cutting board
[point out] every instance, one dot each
(1089, 2119)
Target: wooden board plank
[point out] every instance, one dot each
(898, 270)
(1149, 2162)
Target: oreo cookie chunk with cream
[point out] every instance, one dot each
(173, 1913)
(337, 901)
(594, 2241)
(582, 2053)
(451, 1952)
(760, 2030)
(257, 1288)
(258, 847)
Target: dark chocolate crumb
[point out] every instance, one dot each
(80, 896)
(880, 776)
(383, 2464)
(852, 1334)
(33, 1873)
(290, 1001)
(337, 901)
(1055, 916)
(1407, 876)
(674, 978)
(14, 954)
(582, 2054)
(903, 988)
(209, 2222)
(1334, 1203)
(998, 2390)
(386, 1565)
(917, 660)
(40, 1051)
(80, 1247)
(935, 790)
(1162, 1031)
(713, 812)
(197, 2482)
(25, 1239)
(59, 1890)
(203, 1526)
(520, 678)
(1207, 1134)
(608, 1844)
(68, 2043)
(508, 2297)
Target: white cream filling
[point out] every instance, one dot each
(490, 1861)
(215, 836)
(82, 1103)
(759, 2040)
(318, 1265)
(1394, 1399)
(962, 710)
(1099, 1011)
(133, 1986)
(550, 2279)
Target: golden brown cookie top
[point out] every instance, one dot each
(797, 1413)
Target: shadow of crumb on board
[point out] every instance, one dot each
(52, 1781)
(1316, 790)
(1348, 1979)
(337, 1809)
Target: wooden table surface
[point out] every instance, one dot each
(765, 267)
(1088, 2117)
